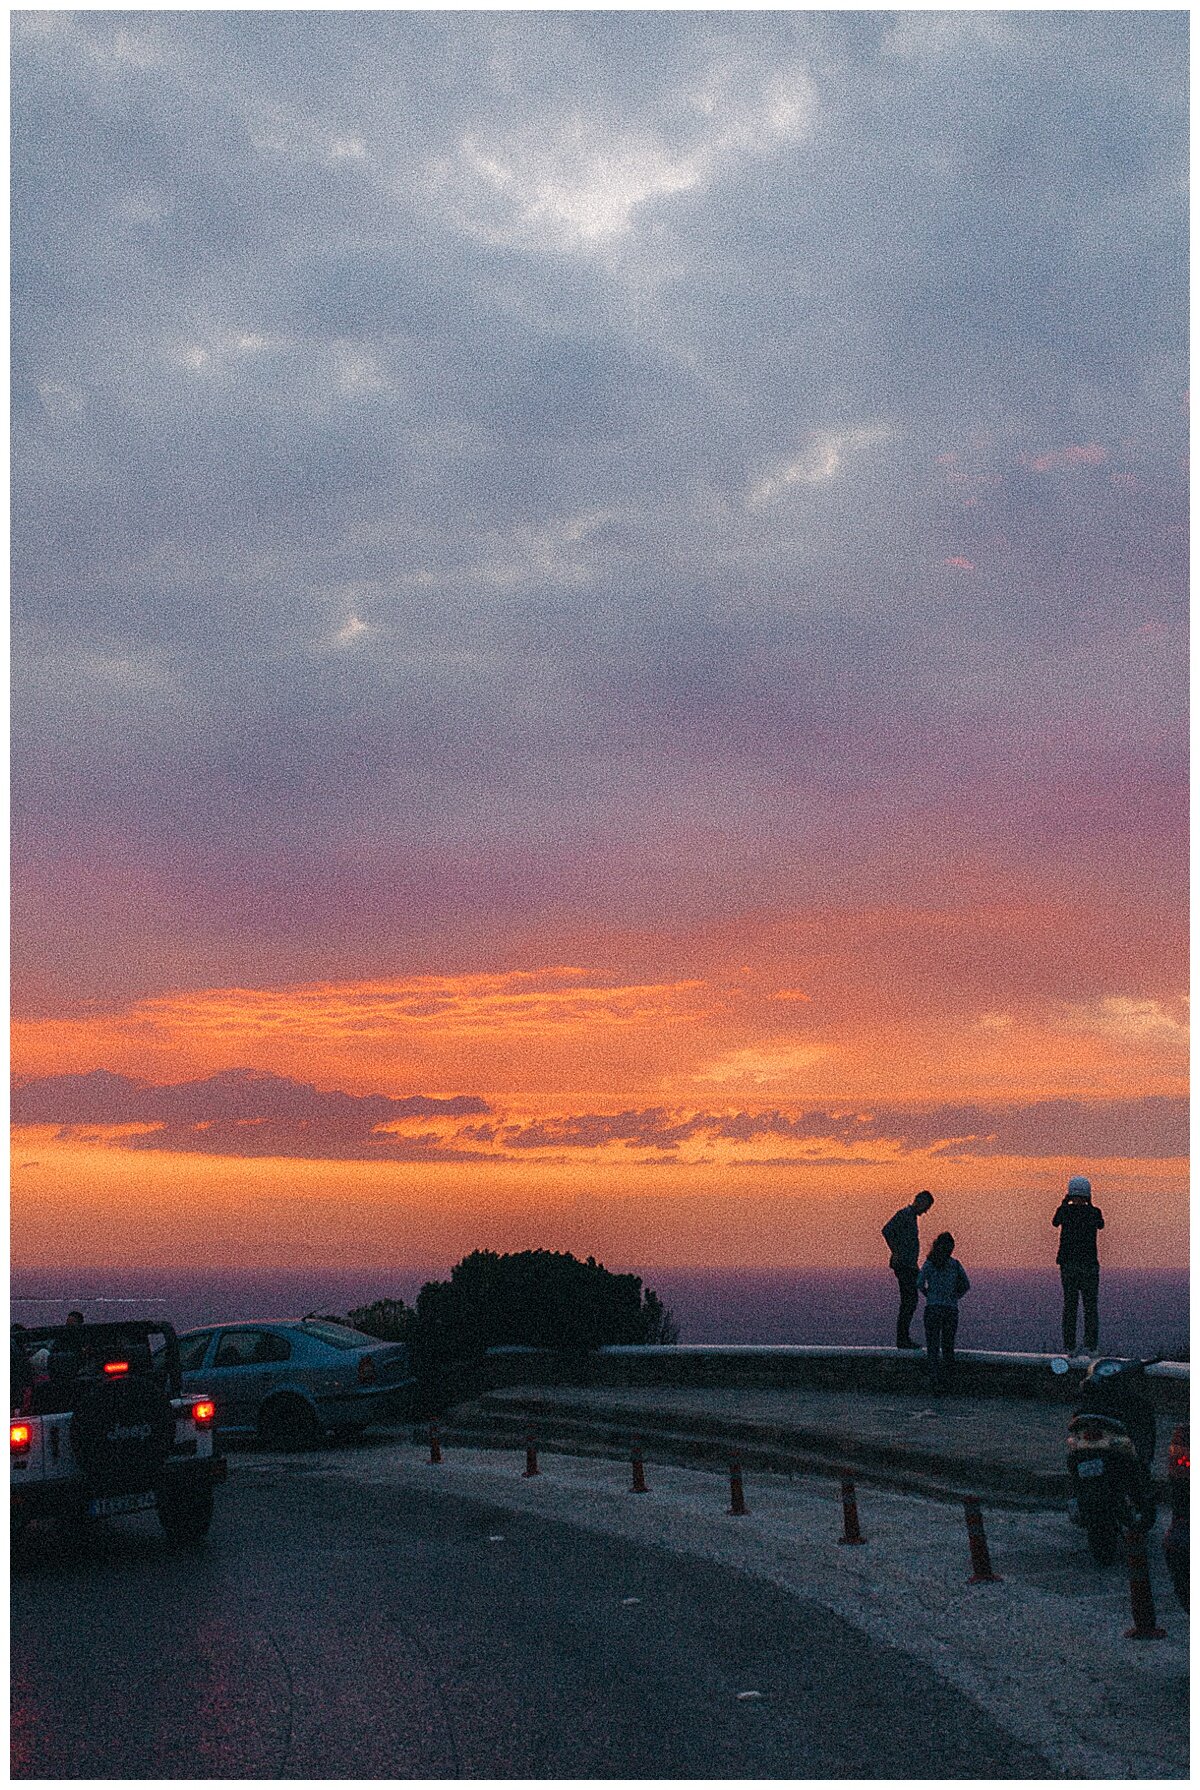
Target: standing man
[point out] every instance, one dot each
(903, 1239)
(1079, 1263)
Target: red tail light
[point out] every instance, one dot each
(366, 1370)
(1178, 1457)
(20, 1435)
(204, 1412)
(116, 1367)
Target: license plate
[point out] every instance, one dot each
(122, 1504)
(1090, 1469)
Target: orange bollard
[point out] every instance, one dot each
(435, 1446)
(1141, 1598)
(980, 1558)
(851, 1536)
(531, 1466)
(737, 1496)
(639, 1472)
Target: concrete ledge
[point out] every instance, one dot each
(839, 1351)
(983, 1372)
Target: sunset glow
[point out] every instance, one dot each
(600, 660)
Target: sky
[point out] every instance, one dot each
(599, 633)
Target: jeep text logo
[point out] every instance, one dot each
(130, 1432)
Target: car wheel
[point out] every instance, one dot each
(186, 1516)
(289, 1422)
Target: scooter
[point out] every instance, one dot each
(1110, 1450)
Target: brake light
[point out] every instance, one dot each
(1178, 1458)
(20, 1435)
(204, 1412)
(116, 1367)
(366, 1370)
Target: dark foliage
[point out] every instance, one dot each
(537, 1298)
(388, 1319)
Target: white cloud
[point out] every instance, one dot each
(358, 372)
(995, 1022)
(211, 351)
(578, 193)
(542, 552)
(60, 400)
(346, 148)
(1131, 1019)
(822, 459)
(351, 631)
(123, 672)
(758, 1068)
(576, 184)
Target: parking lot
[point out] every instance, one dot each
(351, 1615)
(360, 1612)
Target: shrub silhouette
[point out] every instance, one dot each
(388, 1319)
(537, 1298)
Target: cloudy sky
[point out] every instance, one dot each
(599, 631)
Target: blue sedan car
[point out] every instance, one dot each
(293, 1382)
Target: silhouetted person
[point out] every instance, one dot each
(1079, 1263)
(902, 1237)
(66, 1351)
(943, 1281)
(20, 1371)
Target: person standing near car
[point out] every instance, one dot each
(1079, 1223)
(66, 1351)
(903, 1239)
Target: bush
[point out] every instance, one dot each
(537, 1298)
(388, 1319)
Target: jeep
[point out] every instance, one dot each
(100, 1426)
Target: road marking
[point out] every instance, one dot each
(745, 1696)
(631, 1600)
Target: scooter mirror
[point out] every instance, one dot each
(1060, 1365)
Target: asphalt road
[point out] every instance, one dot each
(354, 1632)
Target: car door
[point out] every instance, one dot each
(238, 1378)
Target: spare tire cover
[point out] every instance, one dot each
(121, 1432)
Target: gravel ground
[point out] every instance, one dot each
(1043, 1652)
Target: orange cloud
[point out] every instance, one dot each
(77, 1204)
(902, 1005)
(557, 1027)
(714, 1117)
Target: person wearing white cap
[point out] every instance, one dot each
(1079, 1263)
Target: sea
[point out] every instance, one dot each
(1142, 1311)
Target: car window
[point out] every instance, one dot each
(341, 1336)
(192, 1350)
(237, 1348)
(270, 1346)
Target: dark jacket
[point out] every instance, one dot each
(1079, 1222)
(902, 1238)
